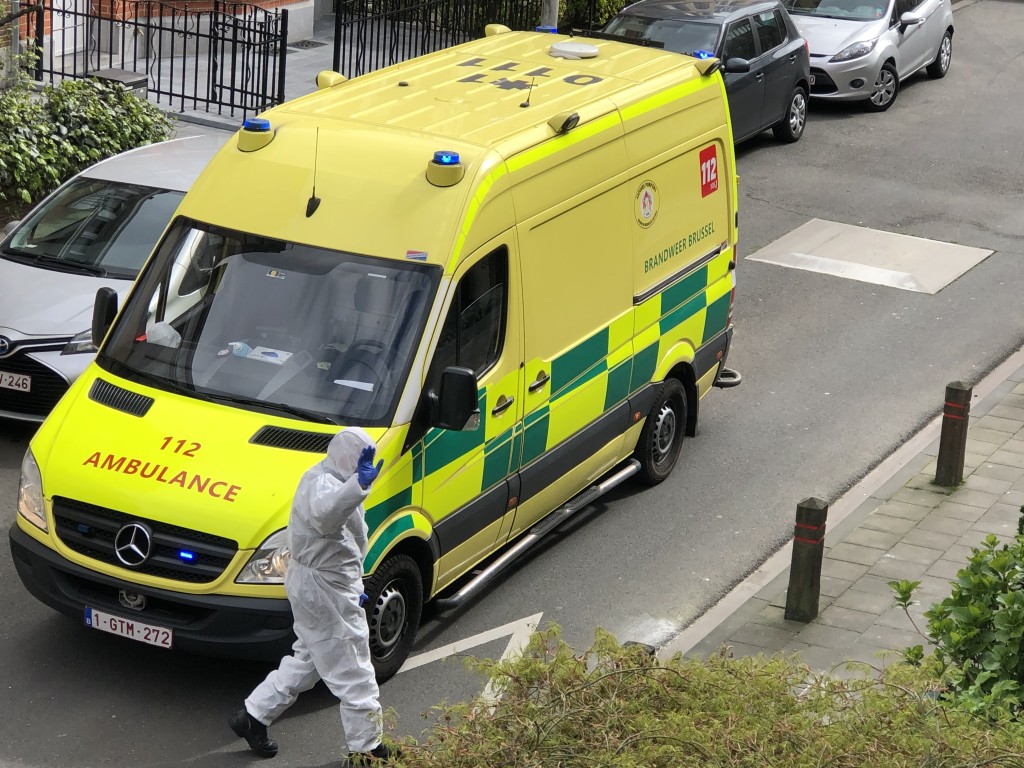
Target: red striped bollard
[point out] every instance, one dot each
(808, 552)
(949, 468)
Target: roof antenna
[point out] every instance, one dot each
(314, 202)
(529, 93)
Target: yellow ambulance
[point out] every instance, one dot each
(511, 262)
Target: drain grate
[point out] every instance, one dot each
(303, 44)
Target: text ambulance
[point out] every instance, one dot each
(511, 262)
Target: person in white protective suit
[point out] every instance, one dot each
(324, 582)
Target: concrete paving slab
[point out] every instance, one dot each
(891, 523)
(1000, 472)
(1001, 511)
(1007, 458)
(896, 617)
(1004, 425)
(935, 588)
(840, 569)
(892, 638)
(912, 553)
(922, 537)
(944, 569)
(832, 587)
(855, 553)
(978, 482)
(959, 511)
(830, 637)
(865, 602)
(1008, 412)
(972, 498)
(914, 512)
(873, 584)
(871, 256)
(762, 636)
(999, 527)
(847, 618)
(924, 498)
(950, 525)
(982, 435)
(894, 568)
(867, 537)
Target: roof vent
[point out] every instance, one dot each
(571, 49)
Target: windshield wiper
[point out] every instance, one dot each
(63, 265)
(302, 413)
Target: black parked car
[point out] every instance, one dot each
(765, 61)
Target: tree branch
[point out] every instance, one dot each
(5, 20)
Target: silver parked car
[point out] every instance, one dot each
(96, 230)
(864, 49)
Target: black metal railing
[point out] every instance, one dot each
(222, 57)
(371, 34)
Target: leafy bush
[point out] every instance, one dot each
(588, 14)
(978, 630)
(46, 138)
(618, 707)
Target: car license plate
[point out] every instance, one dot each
(133, 630)
(15, 381)
(812, 79)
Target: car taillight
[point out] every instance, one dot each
(807, 47)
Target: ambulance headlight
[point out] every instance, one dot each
(30, 492)
(269, 562)
(80, 342)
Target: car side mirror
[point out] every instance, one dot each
(103, 313)
(736, 66)
(910, 19)
(455, 404)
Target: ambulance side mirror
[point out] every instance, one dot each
(103, 312)
(455, 405)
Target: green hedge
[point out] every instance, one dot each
(49, 136)
(618, 707)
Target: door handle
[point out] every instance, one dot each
(759, 76)
(792, 58)
(502, 405)
(539, 382)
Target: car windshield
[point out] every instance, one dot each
(93, 225)
(273, 326)
(680, 36)
(855, 10)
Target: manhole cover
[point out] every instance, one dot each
(306, 44)
(871, 256)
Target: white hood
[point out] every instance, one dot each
(44, 302)
(827, 37)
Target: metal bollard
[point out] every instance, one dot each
(949, 469)
(808, 551)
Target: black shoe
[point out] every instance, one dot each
(382, 753)
(253, 731)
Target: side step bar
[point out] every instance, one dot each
(536, 533)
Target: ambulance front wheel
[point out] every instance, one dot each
(393, 608)
(661, 438)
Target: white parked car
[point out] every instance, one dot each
(861, 50)
(96, 230)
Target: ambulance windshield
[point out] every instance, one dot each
(273, 326)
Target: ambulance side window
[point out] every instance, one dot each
(474, 330)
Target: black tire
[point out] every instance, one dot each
(661, 438)
(791, 127)
(885, 89)
(395, 592)
(938, 68)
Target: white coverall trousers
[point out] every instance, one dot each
(333, 646)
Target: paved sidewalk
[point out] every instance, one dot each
(907, 529)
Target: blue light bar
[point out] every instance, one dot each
(187, 556)
(704, 54)
(257, 124)
(446, 158)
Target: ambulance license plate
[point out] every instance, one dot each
(133, 630)
(15, 381)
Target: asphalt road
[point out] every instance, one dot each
(837, 374)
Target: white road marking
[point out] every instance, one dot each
(520, 632)
(871, 256)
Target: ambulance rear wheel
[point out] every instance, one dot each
(661, 438)
(393, 608)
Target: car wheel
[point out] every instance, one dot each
(791, 127)
(661, 439)
(938, 68)
(885, 90)
(395, 592)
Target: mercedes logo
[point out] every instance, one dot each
(5, 346)
(133, 544)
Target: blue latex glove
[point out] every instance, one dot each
(365, 470)
(362, 599)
